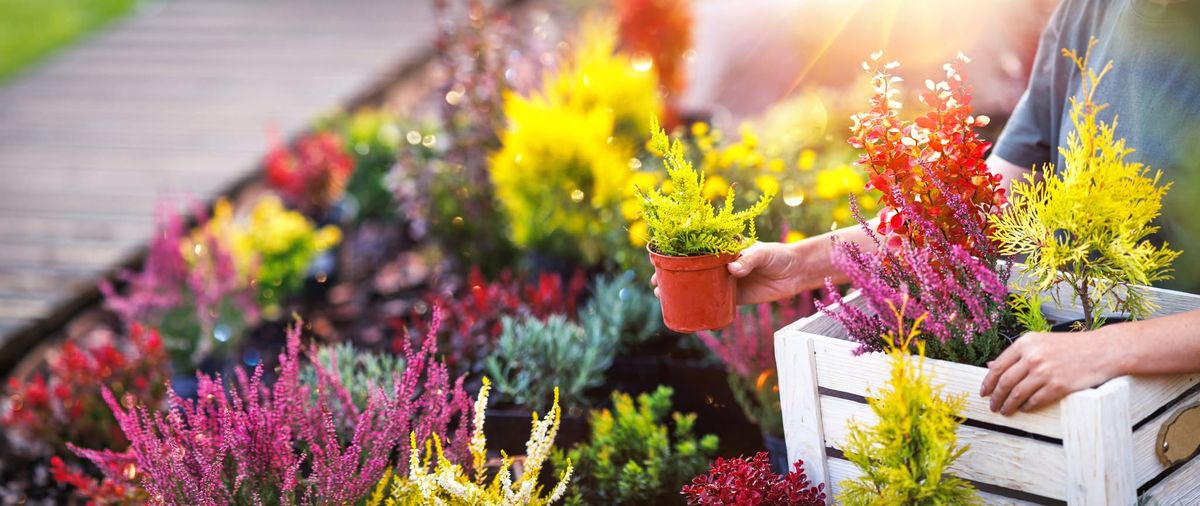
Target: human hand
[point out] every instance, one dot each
(766, 272)
(1041, 368)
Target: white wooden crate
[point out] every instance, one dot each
(1094, 447)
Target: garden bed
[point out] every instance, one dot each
(1097, 446)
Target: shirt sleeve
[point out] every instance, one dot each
(1027, 138)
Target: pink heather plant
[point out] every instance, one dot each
(962, 294)
(280, 444)
(184, 299)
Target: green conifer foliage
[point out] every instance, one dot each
(904, 456)
(682, 221)
(1086, 225)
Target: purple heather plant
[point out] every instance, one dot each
(963, 295)
(280, 444)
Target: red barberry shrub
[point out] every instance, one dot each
(312, 175)
(63, 403)
(473, 316)
(660, 30)
(750, 482)
(927, 162)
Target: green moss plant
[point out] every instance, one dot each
(681, 221)
(1086, 225)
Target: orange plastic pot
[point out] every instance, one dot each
(697, 293)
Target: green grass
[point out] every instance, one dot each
(32, 29)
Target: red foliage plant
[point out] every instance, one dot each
(64, 404)
(919, 162)
(750, 482)
(314, 173)
(472, 322)
(660, 30)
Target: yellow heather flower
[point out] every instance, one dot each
(838, 182)
(807, 159)
(639, 233)
(767, 183)
(715, 187)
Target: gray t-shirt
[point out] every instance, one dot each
(1153, 89)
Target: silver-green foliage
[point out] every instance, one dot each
(629, 307)
(361, 371)
(533, 356)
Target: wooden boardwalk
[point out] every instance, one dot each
(177, 99)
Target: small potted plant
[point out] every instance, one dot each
(691, 242)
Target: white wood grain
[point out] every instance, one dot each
(1145, 458)
(1181, 488)
(838, 369)
(799, 401)
(1148, 393)
(1098, 439)
(841, 469)
(999, 459)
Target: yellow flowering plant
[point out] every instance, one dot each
(273, 247)
(433, 479)
(567, 153)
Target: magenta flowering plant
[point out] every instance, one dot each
(189, 287)
(252, 443)
(747, 349)
(963, 295)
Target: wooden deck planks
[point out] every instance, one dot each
(176, 99)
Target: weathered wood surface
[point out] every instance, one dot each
(177, 99)
(1093, 454)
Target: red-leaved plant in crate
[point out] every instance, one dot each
(254, 444)
(63, 404)
(313, 174)
(750, 482)
(928, 162)
(474, 316)
(935, 249)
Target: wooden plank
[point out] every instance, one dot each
(1145, 458)
(21, 308)
(1182, 487)
(87, 254)
(996, 458)
(1149, 393)
(839, 369)
(799, 400)
(842, 469)
(1098, 440)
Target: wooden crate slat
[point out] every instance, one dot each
(996, 458)
(835, 357)
(842, 469)
(1145, 441)
(1182, 487)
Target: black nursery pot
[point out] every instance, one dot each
(777, 453)
(507, 428)
(1069, 326)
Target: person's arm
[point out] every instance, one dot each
(1041, 368)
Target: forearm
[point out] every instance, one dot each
(1166, 345)
(814, 256)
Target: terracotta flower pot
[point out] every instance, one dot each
(697, 293)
